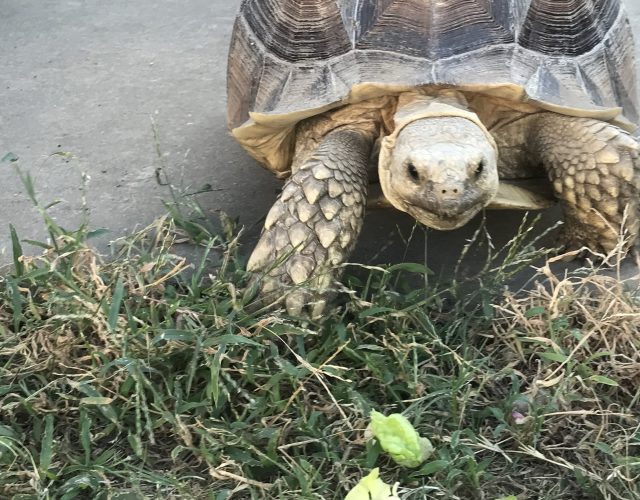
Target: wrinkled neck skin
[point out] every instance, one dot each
(440, 163)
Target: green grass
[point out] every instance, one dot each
(147, 376)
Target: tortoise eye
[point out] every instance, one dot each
(413, 172)
(480, 168)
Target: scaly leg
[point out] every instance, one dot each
(595, 172)
(313, 227)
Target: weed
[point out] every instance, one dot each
(145, 376)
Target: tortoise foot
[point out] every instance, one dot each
(595, 171)
(313, 226)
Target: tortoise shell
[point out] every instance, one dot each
(292, 59)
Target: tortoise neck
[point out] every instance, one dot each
(419, 105)
(417, 101)
(363, 117)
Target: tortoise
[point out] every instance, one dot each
(465, 104)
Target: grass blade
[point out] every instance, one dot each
(46, 450)
(114, 309)
(214, 384)
(16, 304)
(17, 251)
(85, 434)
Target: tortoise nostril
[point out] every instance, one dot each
(455, 191)
(413, 172)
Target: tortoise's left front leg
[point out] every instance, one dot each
(595, 172)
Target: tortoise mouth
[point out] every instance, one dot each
(445, 218)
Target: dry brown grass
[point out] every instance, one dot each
(574, 340)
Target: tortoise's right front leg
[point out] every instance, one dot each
(313, 226)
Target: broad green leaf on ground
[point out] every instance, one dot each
(371, 487)
(399, 439)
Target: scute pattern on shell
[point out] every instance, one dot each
(299, 30)
(549, 30)
(288, 56)
(435, 31)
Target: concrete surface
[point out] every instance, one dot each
(87, 77)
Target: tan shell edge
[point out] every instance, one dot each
(269, 138)
(523, 195)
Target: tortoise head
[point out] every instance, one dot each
(441, 170)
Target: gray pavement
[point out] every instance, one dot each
(88, 77)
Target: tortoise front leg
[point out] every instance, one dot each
(313, 226)
(595, 172)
